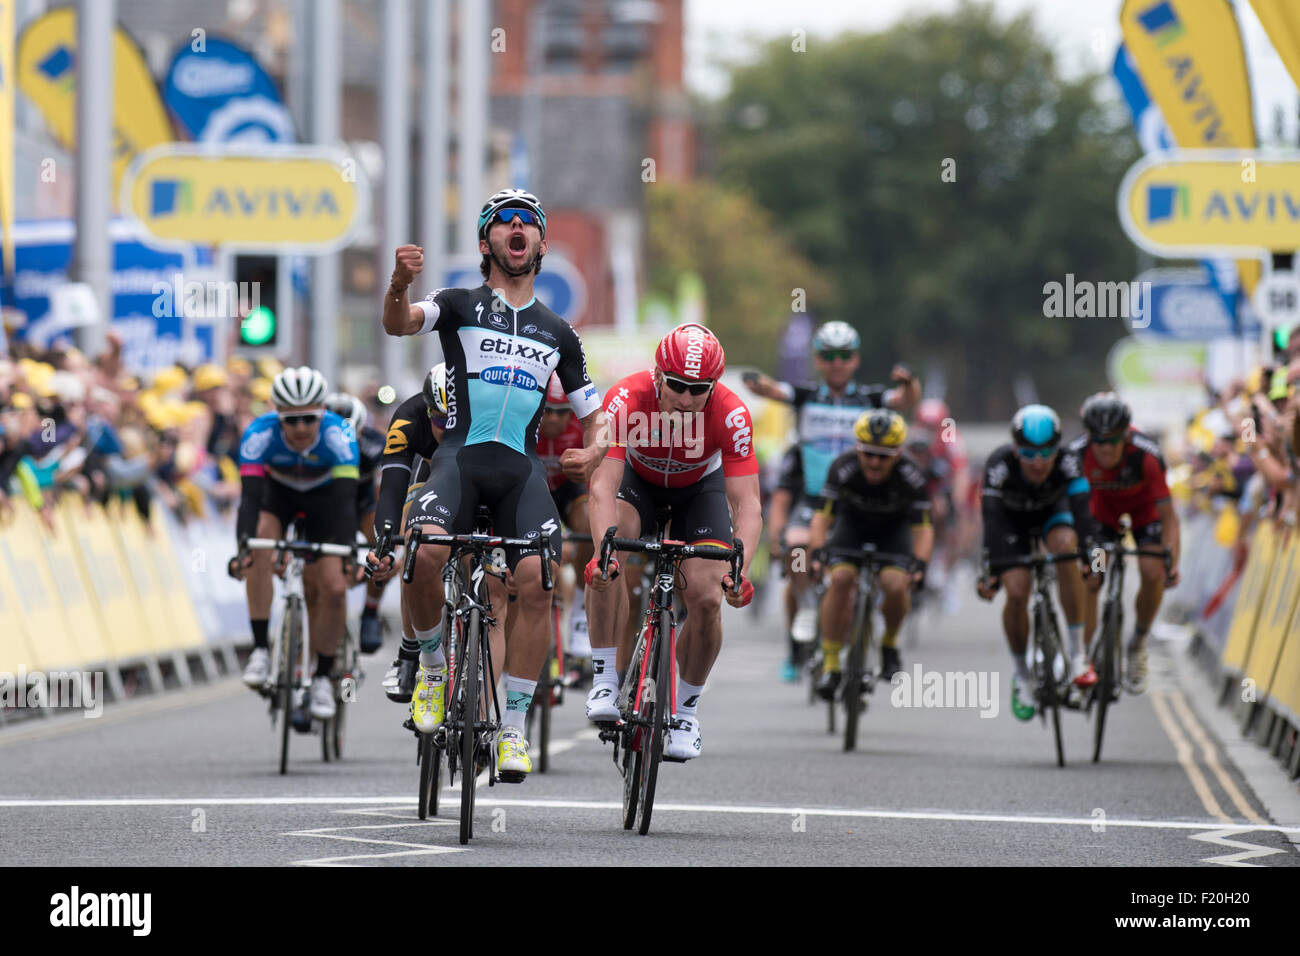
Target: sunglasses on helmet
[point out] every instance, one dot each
(300, 418)
(679, 386)
(1029, 454)
(526, 216)
(829, 355)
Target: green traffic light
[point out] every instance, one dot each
(258, 326)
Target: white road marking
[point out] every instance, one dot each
(1250, 850)
(338, 833)
(946, 816)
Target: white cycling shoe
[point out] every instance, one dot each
(322, 698)
(684, 743)
(602, 703)
(258, 669)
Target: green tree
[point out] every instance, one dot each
(751, 274)
(941, 173)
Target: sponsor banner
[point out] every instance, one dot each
(274, 200)
(1183, 304)
(1281, 21)
(1213, 203)
(47, 73)
(7, 136)
(221, 94)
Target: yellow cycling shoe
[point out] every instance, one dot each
(428, 702)
(513, 763)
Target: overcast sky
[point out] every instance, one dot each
(1085, 34)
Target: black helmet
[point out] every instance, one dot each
(1105, 414)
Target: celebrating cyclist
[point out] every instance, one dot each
(873, 494)
(681, 440)
(501, 346)
(825, 414)
(370, 443)
(298, 460)
(1031, 491)
(1126, 475)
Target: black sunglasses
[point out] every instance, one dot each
(831, 354)
(695, 388)
(310, 418)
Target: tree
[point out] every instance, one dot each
(751, 275)
(941, 173)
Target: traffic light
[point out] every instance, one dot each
(258, 278)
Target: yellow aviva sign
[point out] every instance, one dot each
(276, 199)
(1213, 203)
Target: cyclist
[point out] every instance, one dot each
(298, 460)
(370, 444)
(954, 522)
(416, 428)
(559, 431)
(825, 414)
(1126, 475)
(873, 494)
(683, 440)
(1033, 492)
(501, 346)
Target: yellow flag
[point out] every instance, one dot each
(7, 134)
(1281, 20)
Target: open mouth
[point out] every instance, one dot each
(518, 244)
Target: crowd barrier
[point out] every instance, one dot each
(1253, 638)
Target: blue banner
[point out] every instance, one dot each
(1183, 305)
(220, 94)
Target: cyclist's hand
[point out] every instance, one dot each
(901, 374)
(239, 566)
(985, 589)
(1172, 579)
(751, 379)
(381, 569)
(592, 573)
(734, 598)
(281, 564)
(358, 573)
(918, 579)
(575, 463)
(410, 263)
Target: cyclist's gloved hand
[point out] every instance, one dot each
(750, 379)
(918, 575)
(592, 572)
(735, 599)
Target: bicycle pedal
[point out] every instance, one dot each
(409, 724)
(511, 776)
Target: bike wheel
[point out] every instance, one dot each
(652, 747)
(291, 648)
(469, 675)
(1048, 642)
(854, 676)
(430, 758)
(1106, 679)
(633, 759)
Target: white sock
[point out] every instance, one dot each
(602, 666)
(688, 698)
(1022, 670)
(1074, 637)
(431, 650)
(519, 695)
(579, 639)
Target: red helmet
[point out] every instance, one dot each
(556, 397)
(931, 413)
(691, 351)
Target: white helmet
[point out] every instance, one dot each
(510, 199)
(836, 335)
(296, 387)
(435, 388)
(349, 408)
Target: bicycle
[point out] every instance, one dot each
(858, 679)
(468, 734)
(1049, 669)
(1105, 652)
(289, 681)
(645, 721)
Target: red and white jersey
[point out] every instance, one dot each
(671, 450)
(549, 451)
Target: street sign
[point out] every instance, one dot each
(273, 199)
(1277, 299)
(1184, 203)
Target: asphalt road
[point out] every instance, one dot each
(190, 779)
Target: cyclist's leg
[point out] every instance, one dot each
(1151, 589)
(1059, 538)
(608, 610)
(577, 555)
(444, 505)
(1008, 535)
(846, 533)
(895, 593)
(260, 587)
(326, 593)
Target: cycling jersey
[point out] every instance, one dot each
(669, 453)
(549, 451)
(1017, 513)
(825, 424)
(371, 445)
(409, 440)
(1133, 487)
(499, 360)
(263, 452)
(902, 495)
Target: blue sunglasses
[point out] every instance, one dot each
(527, 217)
(1032, 453)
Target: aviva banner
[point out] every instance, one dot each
(1281, 20)
(1185, 203)
(7, 137)
(278, 200)
(1190, 56)
(47, 73)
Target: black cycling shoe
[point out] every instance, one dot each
(405, 687)
(828, 684)
(890, 663)
(372, 633)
